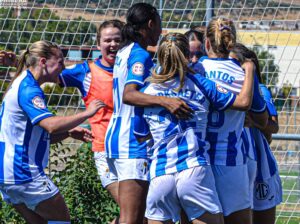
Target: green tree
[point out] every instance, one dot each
(269, 70)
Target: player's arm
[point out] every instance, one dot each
(77, 133)
(61, 124)
(133, 96)
(141, 128)
(243, 100)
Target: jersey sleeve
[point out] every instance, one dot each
(268, 99)
(258, 103)
(219, 97)
(32, 101)
(139, 65)
(74, 76)
(141, 127)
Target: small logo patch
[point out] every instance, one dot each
(138, 68)
(261, 191)
(39, 102)
(221, 89)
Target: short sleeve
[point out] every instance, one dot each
(32, 101)
(141, 127)
(219, 97)
(268, 99)
(74, 76)
(258, 103)
(139, 66)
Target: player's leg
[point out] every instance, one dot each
(132, 176)
(198, 195)
(53, 209)
(267, 216)
(232, 183)
(30, 216)
(132, 199)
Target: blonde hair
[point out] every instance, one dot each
(222, 36)
(30, 56)
(172, 55)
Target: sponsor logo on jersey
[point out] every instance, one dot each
(138, 68)
(39, 102)
(261, 191)
(221, 89)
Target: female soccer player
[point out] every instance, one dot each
(225, 128)
(196, 47)
(267, 190)
(27, 128)
(179, 171)
(95, 81)
(127, 159)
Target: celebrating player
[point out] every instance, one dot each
(225, 128)
(127, 159)
(27, 128)
(179, 171)
(267, 189)
(95, 81)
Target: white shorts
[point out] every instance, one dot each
(128, 169)
(267, 193)
(31, 193)
(192, 189)
(102, 168)
(232, 183)
(252, 172)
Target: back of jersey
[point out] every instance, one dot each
(224, 128)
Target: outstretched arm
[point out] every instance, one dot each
(78, 133)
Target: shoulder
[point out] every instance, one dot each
(139, 52)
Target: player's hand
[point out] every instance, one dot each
(94, 106)
(177, 107)
(248, 65)
(8, 59)
(82, 134)
(248, 121)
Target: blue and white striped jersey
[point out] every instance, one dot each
(24, 146)
(266, 162)
(224, 130)
(180, 144)
(132, 66)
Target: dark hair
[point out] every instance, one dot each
(242, 53)
(193, 34)
(109, 23)
(138, 15)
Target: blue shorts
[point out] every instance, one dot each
(267, 193)
(233, 187)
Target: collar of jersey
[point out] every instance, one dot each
(100, 65)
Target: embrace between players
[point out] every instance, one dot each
(186, 139)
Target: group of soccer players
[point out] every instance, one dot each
(169, 140)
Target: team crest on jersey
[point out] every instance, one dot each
(261, 191)
(221, 89)
(39, 102)
(138, 68)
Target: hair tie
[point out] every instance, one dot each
(224, 27)
(171, 38)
